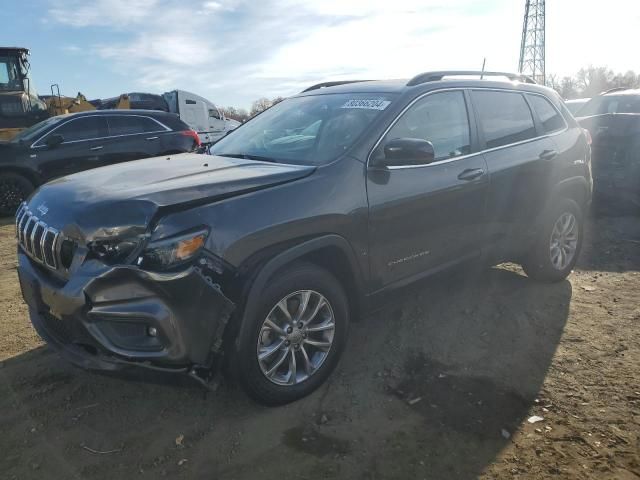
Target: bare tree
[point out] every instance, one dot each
(592, 81)
(259, 106)
(239, 114)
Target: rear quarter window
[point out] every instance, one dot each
(505, 117)
(131, 125)
(550, 118)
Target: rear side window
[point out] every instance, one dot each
(629, 104)
(85, 128)
(551, 119)
(505, 117)
(131, 125)
(440, 118)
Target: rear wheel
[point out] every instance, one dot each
(293, 344)
(14, 189)
(558, 245)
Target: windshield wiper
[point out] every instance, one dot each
(246, 156)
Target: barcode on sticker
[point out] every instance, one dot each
(371, 104)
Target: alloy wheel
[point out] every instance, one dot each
(564, 241)
(295, 338)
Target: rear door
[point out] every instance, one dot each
(133, 137)
(426, 217)
(518, 159)
(83, 147)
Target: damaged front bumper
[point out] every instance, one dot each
(107, 318)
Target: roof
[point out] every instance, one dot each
(428, 81)
(627, 91)
(120, 112)
(400, 86)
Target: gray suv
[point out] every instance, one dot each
(258, 256)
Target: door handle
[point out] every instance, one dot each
(151, 138)
(100, 147)
(471, 174)
(548, 155)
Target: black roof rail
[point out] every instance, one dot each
(331, 84)
(435, 76)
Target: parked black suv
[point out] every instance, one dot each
(613, 119)
(303, 218)
(70, 143)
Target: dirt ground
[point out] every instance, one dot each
(439, 386)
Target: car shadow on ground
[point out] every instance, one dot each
(429, 387)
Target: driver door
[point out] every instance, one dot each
(428, 216)
(84, 146)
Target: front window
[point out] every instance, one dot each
(310, 130)
(10, 75)
(79, 129)
(441, 119)
(33, 132)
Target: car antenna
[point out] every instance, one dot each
(484, 61)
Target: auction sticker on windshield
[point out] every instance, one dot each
(371, 104)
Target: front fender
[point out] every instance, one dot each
(289, 256)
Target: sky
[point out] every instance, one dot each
(235, 51)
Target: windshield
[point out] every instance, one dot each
(309, 130)
(10, 77)
(34, 131)
(611, 104)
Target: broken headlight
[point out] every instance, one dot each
(114, 251)
(174, 251)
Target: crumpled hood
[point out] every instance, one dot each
(120, 200)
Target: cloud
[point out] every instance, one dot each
(234, 51)
(109, 13)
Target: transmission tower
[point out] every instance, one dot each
(532, 45)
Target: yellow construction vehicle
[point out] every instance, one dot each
(20, 105)
(60, 105)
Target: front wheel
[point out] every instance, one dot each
(294, 343)
(558, 245)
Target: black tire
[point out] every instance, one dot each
(297, 277)
(14, 189)
(538, 264)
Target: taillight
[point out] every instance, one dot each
(193, 134)
(587, 135)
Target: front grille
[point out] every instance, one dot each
(37, 239)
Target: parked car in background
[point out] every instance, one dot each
(575, 104)
(199, 113)
(67, 144)
(613, 119)
(309, 214)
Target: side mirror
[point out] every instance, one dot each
(408, 151)
(54, 140)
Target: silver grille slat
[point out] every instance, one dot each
(32, 237)
(27, 233)
(43, 248)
